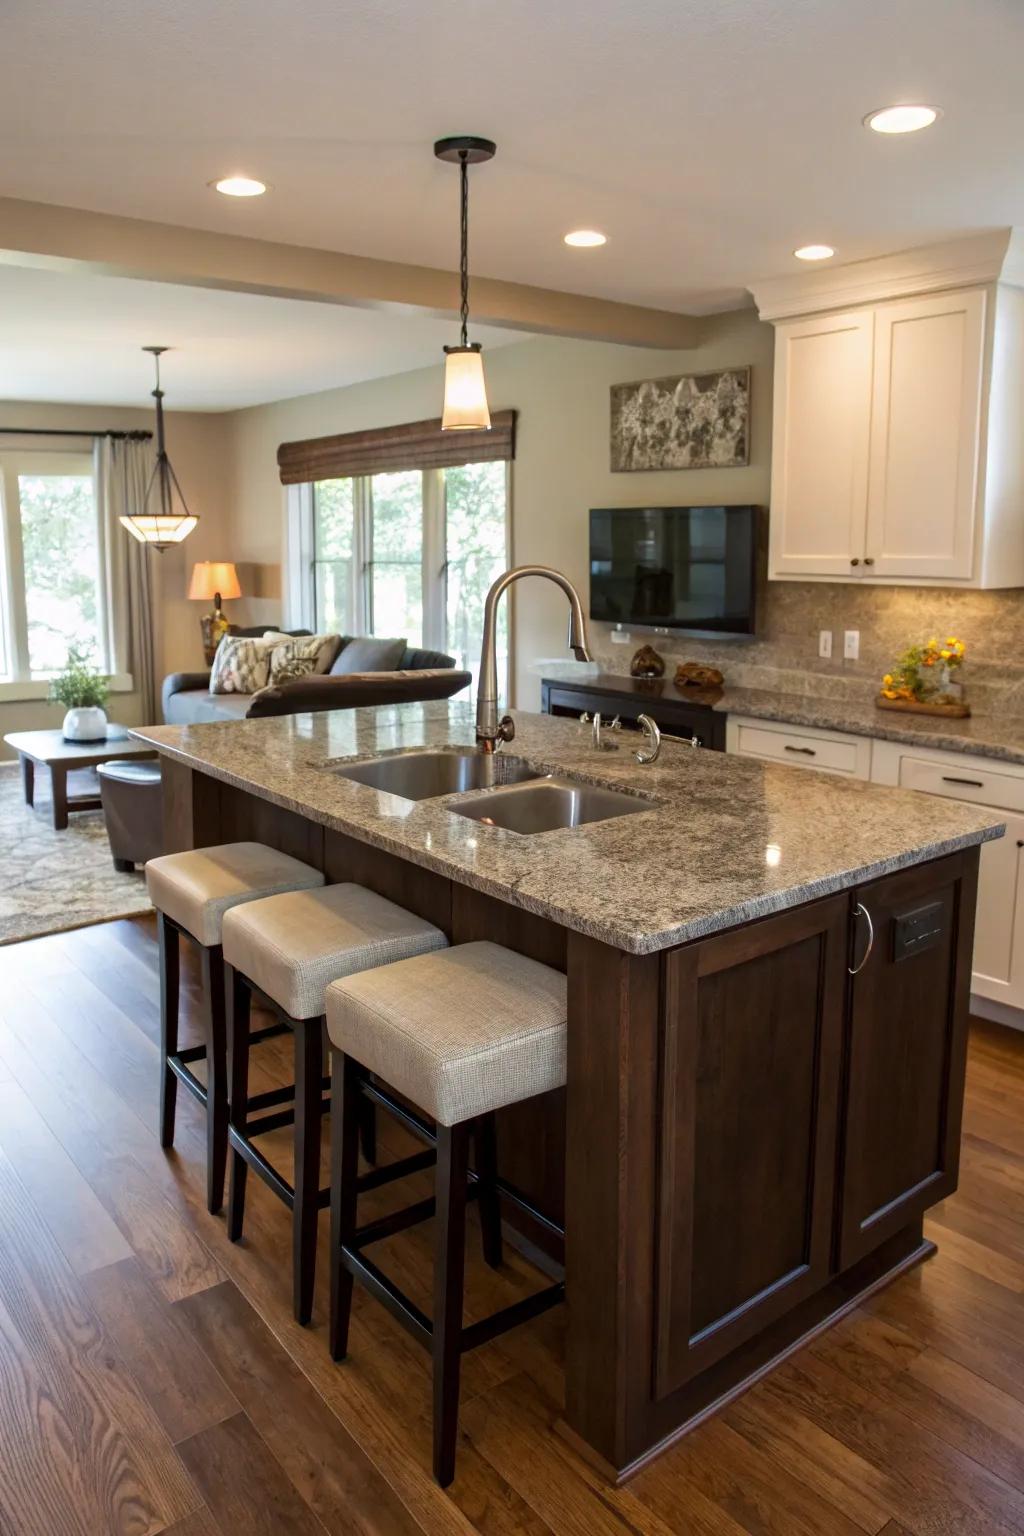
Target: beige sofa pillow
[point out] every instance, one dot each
(241, 665)
(292, 653)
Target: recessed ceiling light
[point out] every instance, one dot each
(585, 237)
(903, 119)
(814, 252)
(239, 186)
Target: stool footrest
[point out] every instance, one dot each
(268, 1032)
(402, 1113)
(510, 1317)
(185, 1077)
(267, 1172)
(386, 1292)
(416, 1163)
(265, 1123)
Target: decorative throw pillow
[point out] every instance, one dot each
(240, 665)
(318, 650)
(368, 654)
(290, 668)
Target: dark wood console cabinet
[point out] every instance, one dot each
(675, 711)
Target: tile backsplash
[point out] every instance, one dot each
(785, 658)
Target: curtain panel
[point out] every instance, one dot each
(414, 445)
(122, 467)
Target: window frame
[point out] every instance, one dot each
(18, 682)
(301, 556)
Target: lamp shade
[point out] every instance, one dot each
(210, 577)
(465, 393)
(159, 528)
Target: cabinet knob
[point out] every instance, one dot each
(855, 561)
(1020, 842)
(869, 559)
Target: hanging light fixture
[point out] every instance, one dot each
(157, 523)
(465, 393)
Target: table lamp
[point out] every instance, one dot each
(216, 579)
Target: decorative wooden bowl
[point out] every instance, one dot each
(914, 707)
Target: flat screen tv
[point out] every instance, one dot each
(686, 568)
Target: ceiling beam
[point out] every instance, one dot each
(76, 240)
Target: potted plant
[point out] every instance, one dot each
(83, 690)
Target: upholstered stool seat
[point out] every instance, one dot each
(195, 889)
(462, 1032)
(191, 892)
(289, 948)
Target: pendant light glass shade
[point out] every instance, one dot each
(158, 528)
(465, 392)
(157, 523)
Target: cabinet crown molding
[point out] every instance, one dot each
(994, 257)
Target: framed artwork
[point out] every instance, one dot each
(691, 421)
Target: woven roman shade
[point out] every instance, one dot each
(414, 445)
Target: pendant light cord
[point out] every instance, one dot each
(464, 262)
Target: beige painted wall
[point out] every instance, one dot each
(560, 389)
(197, 444)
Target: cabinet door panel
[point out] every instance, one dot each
(749, 1080)
(924, 435)
(820, 445)
(907, 1047)
(999, 933)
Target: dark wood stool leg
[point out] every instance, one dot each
(169, 944)
(239, 1000)
(212, 960)
(368, 1130)
(488, 1200)
(309, 1066)
(345, 1109)
(449, 1272)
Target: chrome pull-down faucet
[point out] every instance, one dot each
(490, 731)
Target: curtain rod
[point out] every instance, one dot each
(133, 437)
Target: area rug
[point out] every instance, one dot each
(50, 881)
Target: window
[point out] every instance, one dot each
(409, 553)
(51, 591)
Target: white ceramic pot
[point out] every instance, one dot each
(86, 724)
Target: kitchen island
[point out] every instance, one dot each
(767, 989)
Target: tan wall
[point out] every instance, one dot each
(560, 389)
(197, 446)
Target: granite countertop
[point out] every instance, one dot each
(727, 839)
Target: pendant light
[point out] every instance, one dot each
(465, 393)
(157, 523)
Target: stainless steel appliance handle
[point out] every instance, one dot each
(860, 910)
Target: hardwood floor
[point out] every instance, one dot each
(152, 1379)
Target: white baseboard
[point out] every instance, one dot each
(998, 1013)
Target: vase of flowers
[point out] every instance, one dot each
(928, 675)
(83, 690)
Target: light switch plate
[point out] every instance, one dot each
(620, 637)
(824, 644)
(851, 644)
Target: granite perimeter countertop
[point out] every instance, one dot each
(726, 840)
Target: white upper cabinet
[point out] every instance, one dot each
(820, 442)
(925, 424)
(897, 445)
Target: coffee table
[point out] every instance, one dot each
(48, 749)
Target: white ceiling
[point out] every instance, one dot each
(708, 138)
(76, 338)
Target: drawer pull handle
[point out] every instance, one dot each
(861, 911)
(804, 751)
(948, 778)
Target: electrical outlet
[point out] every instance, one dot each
(620, 637)
(851, 644)
(825, 644)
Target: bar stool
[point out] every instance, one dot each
(287, 948)
(191, 893)
(461, 1033)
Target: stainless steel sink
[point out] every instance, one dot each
(425, 775)
(549, 804)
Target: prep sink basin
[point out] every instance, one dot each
(426, 775)
(548, 804)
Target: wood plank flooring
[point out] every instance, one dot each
(152, 1379)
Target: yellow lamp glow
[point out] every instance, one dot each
(465, 392)
(214, 578)
(158, 528)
